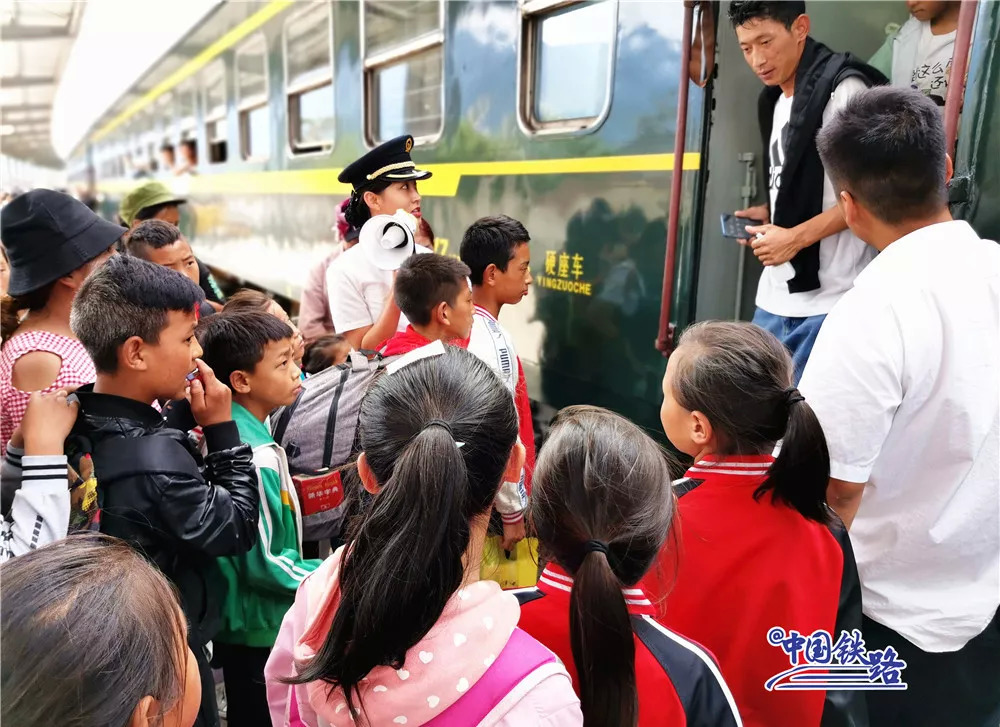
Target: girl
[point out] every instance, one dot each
(602, 507)
(396, 628)
(248, 299)
(384, 181)
(93, 635)
(760, 548)
(53, 242)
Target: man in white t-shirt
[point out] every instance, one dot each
(497, 253)
(810, 256)
(919, 54)
(905, 379)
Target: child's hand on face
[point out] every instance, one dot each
(47, 422)
(211, 400)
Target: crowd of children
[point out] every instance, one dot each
(176, 544)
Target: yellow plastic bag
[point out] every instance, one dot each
(520, 570)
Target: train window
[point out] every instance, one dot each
(187, 110)
(214, 98)
(309, 79)
(404, 68)
(251, 99)
(567, 53)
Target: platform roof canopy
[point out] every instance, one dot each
(35, 41)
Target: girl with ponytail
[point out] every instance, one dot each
(602, 508)
(395, 627)
(760, 548)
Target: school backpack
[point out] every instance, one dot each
(317, 432)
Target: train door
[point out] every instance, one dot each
(728, 273)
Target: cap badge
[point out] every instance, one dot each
(409, 144)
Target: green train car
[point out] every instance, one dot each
(561, 114)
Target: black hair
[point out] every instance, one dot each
(126, 297)
(318, 355)
(357, 212)
(236, 341)
(89, 629)
(491, 240)
(150, 233)
(12, 305)
(785, 12)
(886, 147)
(600, 477)
(426, 280)
(740, 377)
(148, 213)
(167, 146)
(406, 555)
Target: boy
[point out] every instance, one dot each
(154, 201)
(434, 294)
(809, 256)
(137, 322)
(253, 353)
(919, 54)
(499, 258)
(162, 243)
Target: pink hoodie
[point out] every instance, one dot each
(474, 628)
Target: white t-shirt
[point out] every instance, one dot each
(841, 256)
(357, 291)
(922, 60)
(491, 343)
(905, 379)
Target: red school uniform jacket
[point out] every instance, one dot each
(745, 566)
(678, 681)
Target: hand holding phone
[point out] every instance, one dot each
(736, 227)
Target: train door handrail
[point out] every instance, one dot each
(959, 66)
(665, 335)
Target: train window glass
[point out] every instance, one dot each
(566, 60)
(309, 80)
(251, 99)
(214, 95)
(187, 110)
(404, 69)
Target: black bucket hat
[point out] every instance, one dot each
(48, 235)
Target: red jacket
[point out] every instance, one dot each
(744, 567)
(678, 681)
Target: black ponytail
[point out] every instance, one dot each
(739, 376)
(801, 472)
(603, 646)
(357, 212)
(602, 506)
(405, 554)
(11, 308)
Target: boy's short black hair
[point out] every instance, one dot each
(318, 355)
(887, 148)
(424, 281)
(150, 234)
(127, 297)
(491, 240)
(236, 341)
(742, 12)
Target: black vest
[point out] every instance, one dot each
(800, 196)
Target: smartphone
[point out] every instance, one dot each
(735, 227)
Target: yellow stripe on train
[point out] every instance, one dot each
(444, 183)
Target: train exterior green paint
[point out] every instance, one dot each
(598, 220)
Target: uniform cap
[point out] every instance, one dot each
(389, 161)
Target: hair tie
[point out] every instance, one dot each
(793, 396)
(439, 423)
(595, 546)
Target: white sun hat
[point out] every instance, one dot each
(387, 240)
